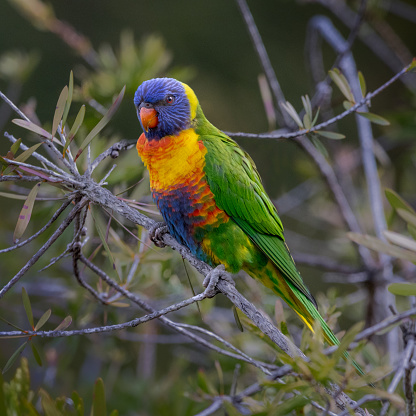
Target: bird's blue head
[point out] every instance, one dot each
(165, 107)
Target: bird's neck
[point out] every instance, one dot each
(172, 160)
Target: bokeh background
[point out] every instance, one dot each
(151, 371)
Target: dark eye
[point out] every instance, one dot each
(170, 99)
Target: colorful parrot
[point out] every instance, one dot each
(210, 195)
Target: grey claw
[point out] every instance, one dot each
(156, 233)
(212, 278)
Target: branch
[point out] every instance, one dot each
(44, 248)
(361, 103)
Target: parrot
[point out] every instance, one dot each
(210, 194)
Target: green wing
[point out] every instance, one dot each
(237, 187)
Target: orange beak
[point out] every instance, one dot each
(149, 119)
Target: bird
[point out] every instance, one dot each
(211, 197)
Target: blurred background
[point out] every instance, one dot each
(107, 44)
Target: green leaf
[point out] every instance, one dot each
(292, 113)
(363, 85)
(347, 339)
(342, 83)
(68, 99)
(307, 105)
(375, 244)
(319, 145)
(347, 105)
(402, 289)
(375, 118)
(15, 146)
(77, 123)
(78, 403)
(43, 319)
(396, 201)
(205, 384)
(315, 119)
(28, 307)
(14, 357)
(400, 240)
(59, 111)
(25, 213)
(98, 404)
(64, 324)
(330, 134)
(409, 217)
(22, 157)
(102, 123)
(114, 413)
(13, 196)
(36, 354)
(27, 153)
(28, 125)
(237, 319)
(48, 405)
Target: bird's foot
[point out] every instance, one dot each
(212, 278)
(156, 233)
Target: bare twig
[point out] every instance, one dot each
(44, 248)
(365, 100)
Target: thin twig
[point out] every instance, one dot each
(365, 100)
(44, 248)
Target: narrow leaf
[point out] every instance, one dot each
(342, 83)
(319, 145)
(64, 324)
(400, 240)
(22, 158)
(25, 213)
(375, 244)
(36, 354)
(28, 125)
(28, 307)
(14, 357)
(397, 202)
(362, 83)
(12, 325)
(98, 405)
(409, 217)
(237, 319)
(15, 146)
(102, 123)
(347, 104)
(77, 123)
(68, 99)
(402, 289)
(375, 118)
(27, 153)
(315, 119)
(307, 105)
(13, 196)
(293, 114)
(59, 111)
(43, 319)
(330, 134)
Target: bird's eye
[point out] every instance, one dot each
(170, 99)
